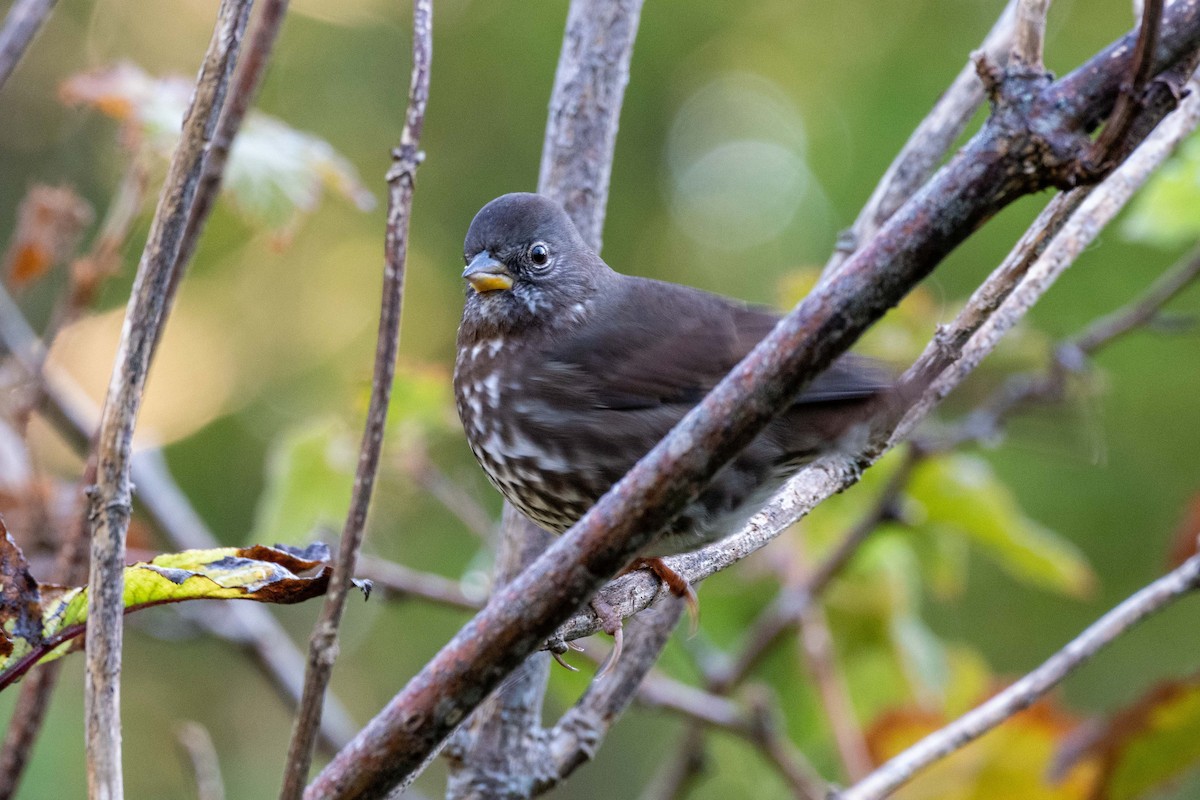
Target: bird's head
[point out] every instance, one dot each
(528, 265)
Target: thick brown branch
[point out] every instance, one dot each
(1121, 121)
(144, 318)
(322, 650)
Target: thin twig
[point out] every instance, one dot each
(323, 645)
(454, 498)
(144, 317)
(680, 773)
(997, 166)
(403, 582)
(197, 744)
(928, 143)
(778, 750)
(1023, 390)
(577, 735)
(249, 625)
(1120, 122)
(1023, 693)
(24, 19)
(816, 649)
(1141, 311)
(251, 68)
(1030, 38)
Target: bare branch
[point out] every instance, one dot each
(1000, 164)
(24, 19)
(144, 317)
(575, 738)
(401, 177)
(1030, 35)
(1120, 122)
(581, 136)
(927, 144)
(975, 332)
(202, 757)
(401, 581)
(1023, 693)
(250, 70)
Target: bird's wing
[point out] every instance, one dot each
(676, 349)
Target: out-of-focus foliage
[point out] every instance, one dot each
(752, 133)
(1151, 743)
(1164, 214)
(275, 174)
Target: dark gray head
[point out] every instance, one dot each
(527, 264)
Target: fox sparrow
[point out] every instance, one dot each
(567, 373)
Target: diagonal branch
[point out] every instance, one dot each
(1029, 143)
(144, 317)
(251, 68)
(1067, 225)
(1020, 695)
(401, 177)
(1125, 111)
(927, 145)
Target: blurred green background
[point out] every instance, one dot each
(751, 134)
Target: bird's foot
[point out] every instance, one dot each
(678, 585)
(610, 623)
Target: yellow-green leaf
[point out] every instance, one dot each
(42, 622)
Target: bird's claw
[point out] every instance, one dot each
(610, 623)
(679, 586)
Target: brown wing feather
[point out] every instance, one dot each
(677, 354)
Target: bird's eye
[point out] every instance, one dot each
(539, 255)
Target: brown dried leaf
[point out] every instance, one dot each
(50, 221)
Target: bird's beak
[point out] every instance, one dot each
(486, 274)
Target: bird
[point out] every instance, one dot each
(567, 372)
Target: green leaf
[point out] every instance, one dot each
(310, 472)
(42, 622)
(1164, 212)
(960, 495)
